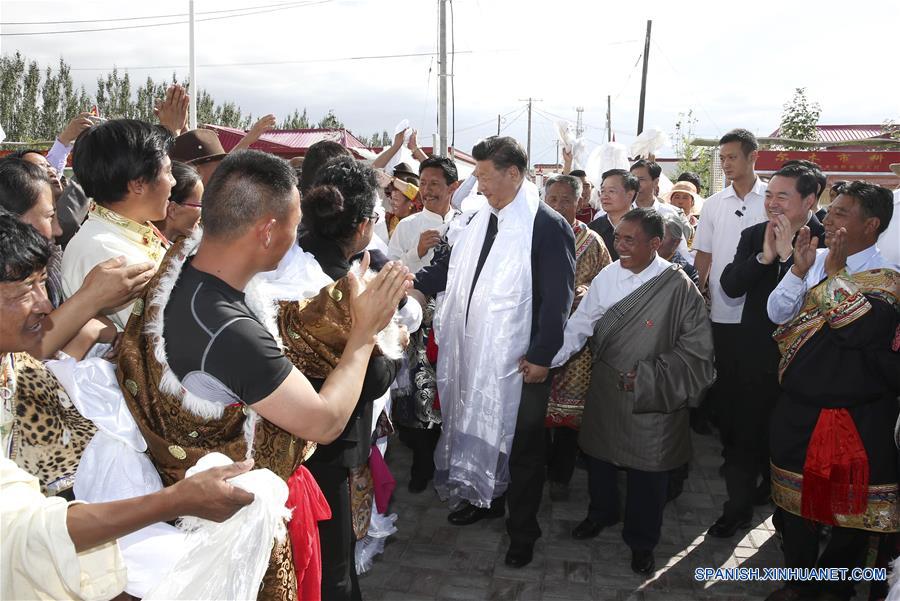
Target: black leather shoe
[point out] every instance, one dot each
(469, 514)
(642, 562)
(519, 555)
(727, 527)
(416, 485)
(588, 528)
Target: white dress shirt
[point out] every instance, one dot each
(404, 244)
(611, 285)
(723, 218)
(889, 241)
(58, 154)
(787, 299)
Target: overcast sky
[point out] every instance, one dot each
(734, 64)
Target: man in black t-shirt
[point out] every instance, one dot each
(214, 343)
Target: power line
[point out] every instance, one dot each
(148, 25)
(489, 121)
(208, 12)
(266, 63)
(696, 99)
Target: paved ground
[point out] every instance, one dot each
(430, 559)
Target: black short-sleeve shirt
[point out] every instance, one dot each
(216, 346)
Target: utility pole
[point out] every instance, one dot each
(442, 78)
(195, 89)
(498, 125)
(609, 118)
(528, 150)
(640, 126)
(579, 122)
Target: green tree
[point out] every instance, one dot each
(330, 121)
(296, 120)
(799, 119)
(691, 157)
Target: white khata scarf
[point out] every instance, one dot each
(477, 373)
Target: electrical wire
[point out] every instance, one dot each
(266, 63)
(696, 99)
(522, 111)
(109, 20)
(148, 25)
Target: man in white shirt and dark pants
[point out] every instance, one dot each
(651, 345)
(413, 242)
(725, 215)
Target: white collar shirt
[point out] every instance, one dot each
(724, 217)
(611, 285)
(787, 299)
(404, 243)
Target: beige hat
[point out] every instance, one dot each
(688, 188)
(895, 167)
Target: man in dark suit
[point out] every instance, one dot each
(764, 255)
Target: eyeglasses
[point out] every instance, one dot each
(192, 204)
(374, 217)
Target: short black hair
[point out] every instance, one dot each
(805, 180)
(445, 164)
(342, 197)
(874, 201)
(316, 156)
(821, 178)
(22, 249)
(578, 173)
(246, 185)
(186, 178)
(504, 152)
(690, 176)
(651, 222)
(108, 156)
(653, 167)
(745, 137)
(629, 181)
(20, 184)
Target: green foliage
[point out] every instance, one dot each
(296, 120)
(690, 157)
(36, 108)
(329, 121)
(799, 119)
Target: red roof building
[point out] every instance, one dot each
(286, 143)
(845, 133)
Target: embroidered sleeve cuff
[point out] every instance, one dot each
(840, 300)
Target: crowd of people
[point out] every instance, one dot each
(172, 300)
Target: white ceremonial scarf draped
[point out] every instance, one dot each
(478, 377)
(228, 560)
(115, 466)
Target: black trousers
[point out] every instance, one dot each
(747, 450)
(562, 450)
(645, 499)
(422, 442)
(722, 395)
(527, 465)
(339, 582)
(846, 548)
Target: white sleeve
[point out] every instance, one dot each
(410, 315)
(38, 552)
(57, 156)
(580, 325)
(786, 300)
(703, 239)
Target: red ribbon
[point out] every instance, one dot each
(836, 471)
(309, 507)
